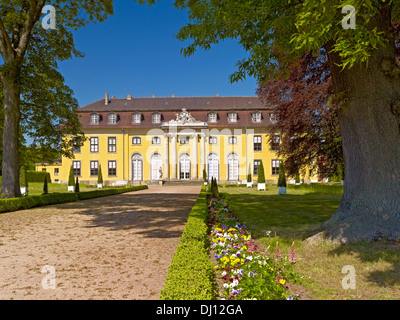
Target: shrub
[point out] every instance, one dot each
(282, 175)
(261, 175)
(23, 179)
(45, 187)
(205, 175)
(9, 205)
(37, 176)
(100, 176)
(297, 178)
(71, 180)
(214, 188)
(77, 185)
(249, 178)
(191, 274)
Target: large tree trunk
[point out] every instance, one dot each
(10, 181)
(369, 98)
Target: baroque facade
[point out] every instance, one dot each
(145, 140)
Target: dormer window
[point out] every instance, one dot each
(94, 118)
(156, 118)
(256, 116)
(136, 118)
(232, 117)
(112, 118)
(273, 117)
(212, 117)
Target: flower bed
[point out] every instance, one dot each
(245, 271)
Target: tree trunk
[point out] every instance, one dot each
(369, 100)
(10, 180)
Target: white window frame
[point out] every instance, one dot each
(157, 117)
(94, 118)
(213, 117)
(112, 118)
(232, 117)
(256, 117)
(137, 118)
(136, 141)
(232, 140)
(155, 141)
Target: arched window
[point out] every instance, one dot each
(233, 167)
(137, 167)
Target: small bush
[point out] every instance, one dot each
(77, 185)
(45, 187)
(282, 175)
(100, 176)
(71, 180)
(261, 174)
(23, 179)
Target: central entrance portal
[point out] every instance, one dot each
(184, 167)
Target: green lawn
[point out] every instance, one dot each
(293, 218)
(36, 188)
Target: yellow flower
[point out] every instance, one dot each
(282, 282)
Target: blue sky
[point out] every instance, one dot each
(135, 52)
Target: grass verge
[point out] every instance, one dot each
(293, 218)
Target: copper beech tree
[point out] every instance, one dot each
(306, 118)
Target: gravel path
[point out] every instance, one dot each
(116, 247)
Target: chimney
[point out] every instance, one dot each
(129, 97)
(154, 95)
(113, 97)
(217, 94)
(173, 96)
(107, 100)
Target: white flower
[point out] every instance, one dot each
(225, 285)
(224, 274)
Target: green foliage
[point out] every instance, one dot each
(191, 274)
(249, 178)
(23, 179)
(71, 180)
(45, 186)
(38, 176)
(100, 176)
(77, 185)
(214, 188)
(261, 174)
(205, 175)
(297, 178)
(282, 175)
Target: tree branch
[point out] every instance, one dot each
(5, 43)
(34, 15)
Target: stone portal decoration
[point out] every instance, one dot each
(183, 118)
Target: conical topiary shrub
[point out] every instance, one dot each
(282, 179)
(23, 181)
(71, 182)
(297, 178)
(77, 185)
(214, 188)
(205, 176)
(100, 178)
(261, 177)
(45, 186)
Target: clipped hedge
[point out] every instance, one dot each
(38, 176)
(15, 204)
(191, 274)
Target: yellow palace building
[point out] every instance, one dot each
(145, 140)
